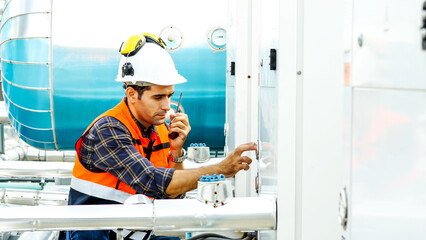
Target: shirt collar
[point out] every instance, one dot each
(146, 132)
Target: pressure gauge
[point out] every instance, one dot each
(217, 39)
(172, 37)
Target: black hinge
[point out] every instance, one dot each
(232, 68)
(273, 59)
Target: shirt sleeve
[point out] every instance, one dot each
(108, 147)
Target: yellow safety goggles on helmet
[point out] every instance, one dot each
(136, 42)
(133, 45)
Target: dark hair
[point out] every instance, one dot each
(138, 89)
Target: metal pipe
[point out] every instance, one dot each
(32, 154)
(36, 169)
(33, 197)
(2, 139)
(83, 217)
(21, 153)
(240, 214)
(13, 154)
(14, 185)
(33, 180)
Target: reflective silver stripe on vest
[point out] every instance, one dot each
(100, 191)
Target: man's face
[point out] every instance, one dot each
(152, 108)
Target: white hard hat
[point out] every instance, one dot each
(147, 63)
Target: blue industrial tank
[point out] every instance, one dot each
(60, 59)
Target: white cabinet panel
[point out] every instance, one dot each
(387, 44)
(388, 164)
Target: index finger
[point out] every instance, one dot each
(182, 117)
(245, 147)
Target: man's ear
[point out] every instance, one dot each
(131, 94)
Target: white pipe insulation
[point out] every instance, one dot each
(176, 215)
(23, 153)
(33, 197)
(36, 169)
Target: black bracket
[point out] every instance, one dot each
(232, 68)
(273, 59)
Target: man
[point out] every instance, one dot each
(127, 150)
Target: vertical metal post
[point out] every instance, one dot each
(2, 139)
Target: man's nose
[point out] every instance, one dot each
(165, 105)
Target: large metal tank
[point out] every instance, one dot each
(60, 59)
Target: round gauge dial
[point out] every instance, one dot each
(217, 39)
(172, 37)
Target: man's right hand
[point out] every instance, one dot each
(186, 180)
(232, 164)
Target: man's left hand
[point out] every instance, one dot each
(180, 125)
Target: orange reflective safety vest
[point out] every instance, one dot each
(105, 185)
